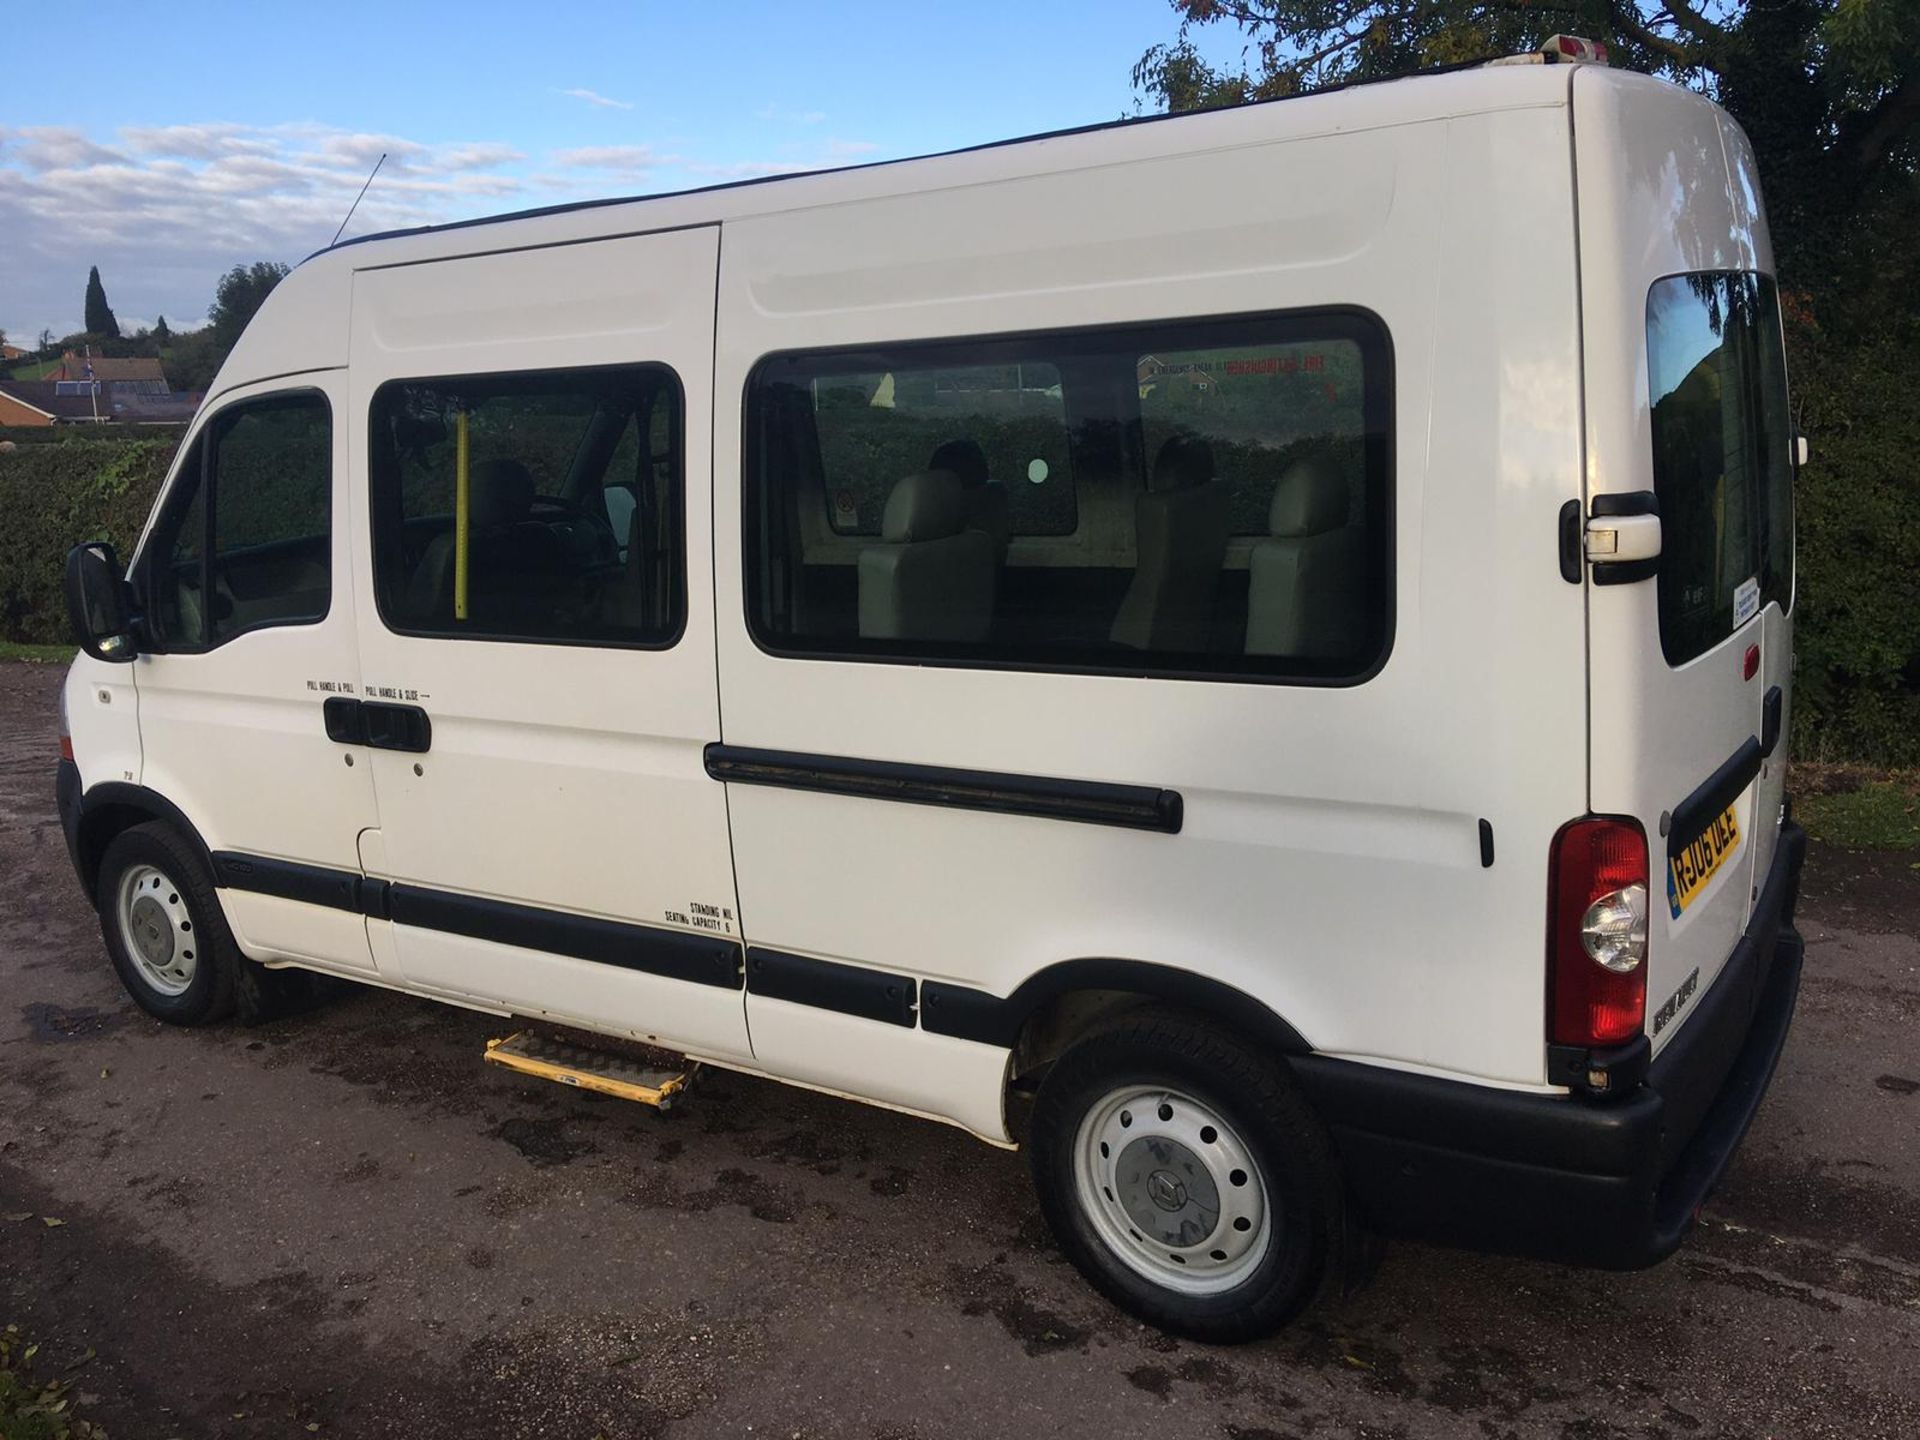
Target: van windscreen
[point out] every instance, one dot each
(1722, 456)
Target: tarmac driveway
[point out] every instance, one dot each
(344, 1224)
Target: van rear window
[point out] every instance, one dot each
(1722, 456)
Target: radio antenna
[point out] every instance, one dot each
(357, 199)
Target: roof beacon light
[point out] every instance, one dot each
(1560, 50)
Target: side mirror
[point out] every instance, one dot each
(97, 603)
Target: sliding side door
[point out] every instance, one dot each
(537, 643)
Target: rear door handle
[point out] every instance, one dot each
(378, 725)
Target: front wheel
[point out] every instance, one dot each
(163, 927)
(1184, 1174)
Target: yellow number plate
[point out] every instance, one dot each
(1689, 871)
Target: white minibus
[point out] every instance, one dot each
(1246, 654)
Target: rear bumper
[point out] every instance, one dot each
(1614, 1183)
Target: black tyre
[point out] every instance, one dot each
(1185, 1175)
(163, 927)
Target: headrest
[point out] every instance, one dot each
(928, 506)
(963, 458)
(499, 492)
(1183, 462)
(1310, 499)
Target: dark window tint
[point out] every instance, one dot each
(1203, 497)
(1722, 456)
(245, 539)
(531, 507)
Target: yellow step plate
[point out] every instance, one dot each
(599, 1070)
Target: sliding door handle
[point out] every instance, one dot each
(397, 727)
(378, 725)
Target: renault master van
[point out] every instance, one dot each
(1247, 654)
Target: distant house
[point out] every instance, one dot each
(75, 402)
(11, 352)
(39, 402)
(141, 370)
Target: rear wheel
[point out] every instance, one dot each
(1185, 1176)
(164, 931)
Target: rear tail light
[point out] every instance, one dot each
(66, 729)
(1597, 936)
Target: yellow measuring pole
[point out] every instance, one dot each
(462, 502)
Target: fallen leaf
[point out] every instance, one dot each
(50, 1222)
(15, 1218)
(1356, 1362)
(104, 1072)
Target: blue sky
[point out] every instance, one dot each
(178, 140)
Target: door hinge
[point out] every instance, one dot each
(1622, 537)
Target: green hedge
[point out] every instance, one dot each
(54, 496)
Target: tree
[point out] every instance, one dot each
(45, 345)
(100, 319)
(1829, 93)
(161, 334)
(240, 293)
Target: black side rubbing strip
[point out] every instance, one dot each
(969, 1014)
(849, 989)
(1770, 713)
(1719, 790)
(672, 954)
(676, 956)
(1137, 807)
(1486, 844)
(310, 884)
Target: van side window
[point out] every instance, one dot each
(1722, 455)
(245, 540)
(1204, 498)
(531, 507)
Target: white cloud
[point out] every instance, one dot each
(627, 162)
(163, 210)
(593, 98)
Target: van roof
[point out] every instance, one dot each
(1440, 92)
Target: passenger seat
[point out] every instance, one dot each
(1306, 586)
(932, 577)
(986, 497)
(1180, 526)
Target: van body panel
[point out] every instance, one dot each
(103, 718)
(1306, 807)
(228, 729)
(566, 777)
(300, 326)
(1656, 201)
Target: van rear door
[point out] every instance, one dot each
(1686, 417)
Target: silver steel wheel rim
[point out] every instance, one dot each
(1172, 1190)
(156, 930)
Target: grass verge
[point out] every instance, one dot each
(1858, 808)
(36, 655)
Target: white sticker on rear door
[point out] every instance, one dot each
(1746, 602)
